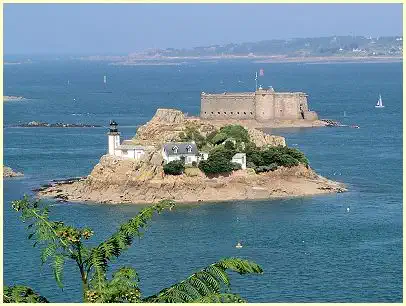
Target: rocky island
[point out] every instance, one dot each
(214, 167)
(8, 172)
(54, 125)
(12, 98)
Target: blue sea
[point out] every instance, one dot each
(311, 249)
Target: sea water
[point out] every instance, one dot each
(312, 249)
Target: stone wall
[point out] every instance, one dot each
(228, 106)
(262, 105)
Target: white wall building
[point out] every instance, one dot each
(240, 158)
(175, 150)
(126, 149)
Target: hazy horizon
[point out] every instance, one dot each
(73, 29)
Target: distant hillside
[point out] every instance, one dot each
(298, 47)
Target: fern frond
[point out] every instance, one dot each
(123, 238)
(220, 298)
(21, 294)
(207, 284)
(58, 269)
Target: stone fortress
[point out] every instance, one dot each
(262, 105)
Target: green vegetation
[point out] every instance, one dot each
(229, 140)
(270, 158)
(60, 243)
(219, 161)
(175, 167)
(192, 133)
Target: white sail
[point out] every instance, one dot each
(379, 103)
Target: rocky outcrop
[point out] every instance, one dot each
(167, 124)
(125, 181)
(168, 116)
(8, 172)
(118, 180)
(261, 139)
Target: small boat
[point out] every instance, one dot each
(379, 103)
(239, 245)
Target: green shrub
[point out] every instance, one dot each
(229, 145)
(219, 138)
(222, 150)
(251, 165)
(175, 167)
(287, 161)
(235, 166)
(210, 136)
(238, 132)
(216, 163)
(194, 164)
(192, 133)
(271, 167)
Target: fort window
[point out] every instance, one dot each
(251, 113)
(245, 113)
(232, 113)
(205, 112)
(238, 113)
(225, 113)
(212, 113)
(218, 113)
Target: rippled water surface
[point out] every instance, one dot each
(311, 249)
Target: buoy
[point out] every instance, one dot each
(348, 209)
(239, 245)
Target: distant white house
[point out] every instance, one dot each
(127, 149)
(240, 158)
(176, 150)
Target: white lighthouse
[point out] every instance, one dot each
(114, 138)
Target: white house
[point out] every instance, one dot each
(176, 150)
(240, 158)
(126, 149)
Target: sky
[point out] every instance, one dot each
(125, 28)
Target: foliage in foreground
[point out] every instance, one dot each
(61, 243)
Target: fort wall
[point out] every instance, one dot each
(261, 105)
(228, 105)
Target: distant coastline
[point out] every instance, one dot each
(181, 60)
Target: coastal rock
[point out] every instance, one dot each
(58, 124)
(167, 124)
(261, 139)
(8, 172)
(119, 180)
(168, 116)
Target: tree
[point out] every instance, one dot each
(61, 243)
(175, 167)
(238, 132)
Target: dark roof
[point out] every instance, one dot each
(182, 148)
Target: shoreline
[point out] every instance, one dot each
(282, 183)
(158, 61)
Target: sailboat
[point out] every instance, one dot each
(379, 103)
